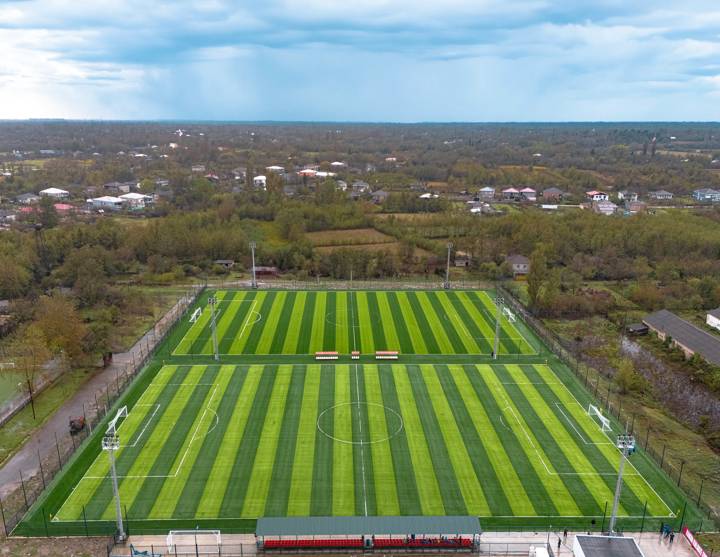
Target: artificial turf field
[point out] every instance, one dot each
(446, 430)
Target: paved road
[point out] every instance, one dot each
(43, 440)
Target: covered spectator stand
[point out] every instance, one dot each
(382, 533)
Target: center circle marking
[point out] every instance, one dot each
(396, 428)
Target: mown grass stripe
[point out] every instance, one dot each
(293, 325)
(175, 441)
(465, 325)
(221, 469)
(509, 328)
(402, 331)
(383, 470)
(371, 321)
(387, 322)
(357, 325)
(445, 470)
(317, 340)
(192, 490)
(343, 465)
(322, 483)
(256, 329)
(416, 332)
(271, 331)
(239, 477)
(485, 329)
(266, 453)
(232, 321)
(328, 341)
(487, 307)
(224, 310)
(278, 493)
(306, 325)
(585, 496)
(537, 483)
(486, 473)
(440, 316)
(341, 321)
(432, 333)
(408, 496)
(284, 324)
(362, 449)
(303, 460)
(431, 498)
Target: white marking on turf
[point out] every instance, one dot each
(147, 423)
(362, 443)
(572, 425)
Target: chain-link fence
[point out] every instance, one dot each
(672, 462)
(31, 485)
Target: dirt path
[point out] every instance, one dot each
(42, 441)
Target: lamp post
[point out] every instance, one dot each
(446, 285)
(213, 326)
(499, 303)
(626, 444)
(111, 443)
(253, 245)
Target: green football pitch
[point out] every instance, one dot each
(266, 431)
(411, 322)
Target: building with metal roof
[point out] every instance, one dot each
(368, 526)
(690, 338)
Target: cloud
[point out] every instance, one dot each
(360, 60)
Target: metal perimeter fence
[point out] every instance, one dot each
(32, 484)
(601, 386)
(397, 283)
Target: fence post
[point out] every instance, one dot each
(682, 465)
(87, 534)
(57, 447)
(647, 437)
(47, 534)
(642, 524)
(702, 481)
(2, 514)
(42, 474)
(22, 482)
(662, 458)
(602, 526)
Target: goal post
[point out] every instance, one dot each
(595, 413)
(509, 314)
(195, 315)
(113, 424)
(205, 541)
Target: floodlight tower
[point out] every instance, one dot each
(446, 284)
(213, 326)
(626, 444)
(499, 303)
(253, 245)
(111, 443)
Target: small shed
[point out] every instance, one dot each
(605, 546)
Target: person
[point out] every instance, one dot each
(672, 537)
(565, 532)
(559, 544)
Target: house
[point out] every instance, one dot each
(323, 174)
(637, 329)
(106, 202)
(379, 196)
(706, 195)
(428, 195)
(519, 264)
(604, 207)
(136, 200)
(713, 318)
(307, 173)
(338, 164)
(27, 198)
(660, 195)
(511, 194)
(226, 264)
(627, 196)
(276, 169)
(359, 186)
(212, 177)
(341, 185)
(120, 187)
(685, 336)
(55, 193)
(260, 182)
(63, 208)
(633, 207)
(197, 168)
(486, 193)
(597, 195)
(462, 259)
(528, 194)
(553, 194)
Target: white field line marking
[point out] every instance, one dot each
(362, 445)
(203, 324)
(352, 325)
(637, 472)
(572, 425)
(510, 324)
(147, 423)
(458, 321)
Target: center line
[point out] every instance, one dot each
(362, 443)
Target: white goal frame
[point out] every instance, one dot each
(112, 425)
(196, 315)
(594, 411)
(193, 537)
(509, 314)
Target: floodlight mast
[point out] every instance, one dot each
(111, 443)
(499, 303)
(626, 444)
(253, 245)
(213, 325)
(446, 284)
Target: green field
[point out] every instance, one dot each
(411, 322)
(267, 432)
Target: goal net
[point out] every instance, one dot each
(113, 425)
(595, 413)
(195, 315)
(509, 314)
(181, 542)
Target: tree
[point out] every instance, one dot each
(536, 277)
(627, 379)
(48, 216)
(62, 327)
(30, 352)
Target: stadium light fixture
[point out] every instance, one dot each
(253, 245)
(111, 443)
(626, 444)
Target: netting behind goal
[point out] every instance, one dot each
(181, 542)
(595, 413)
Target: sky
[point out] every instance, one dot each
(367, 60)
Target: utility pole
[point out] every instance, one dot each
(212, 301)
(446, 285)
(111, 443)
(626, 444)
(499, 303)
(253, 245)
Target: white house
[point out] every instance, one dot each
(627, 196)
(106, 202)
(338, 164)
(136, 200)
(486, 192)
(713, 318)
(55, 193)
(322, 174)
(529, 194)
(604, 207)
(260, 182)
(597, 196)
(276, 169)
